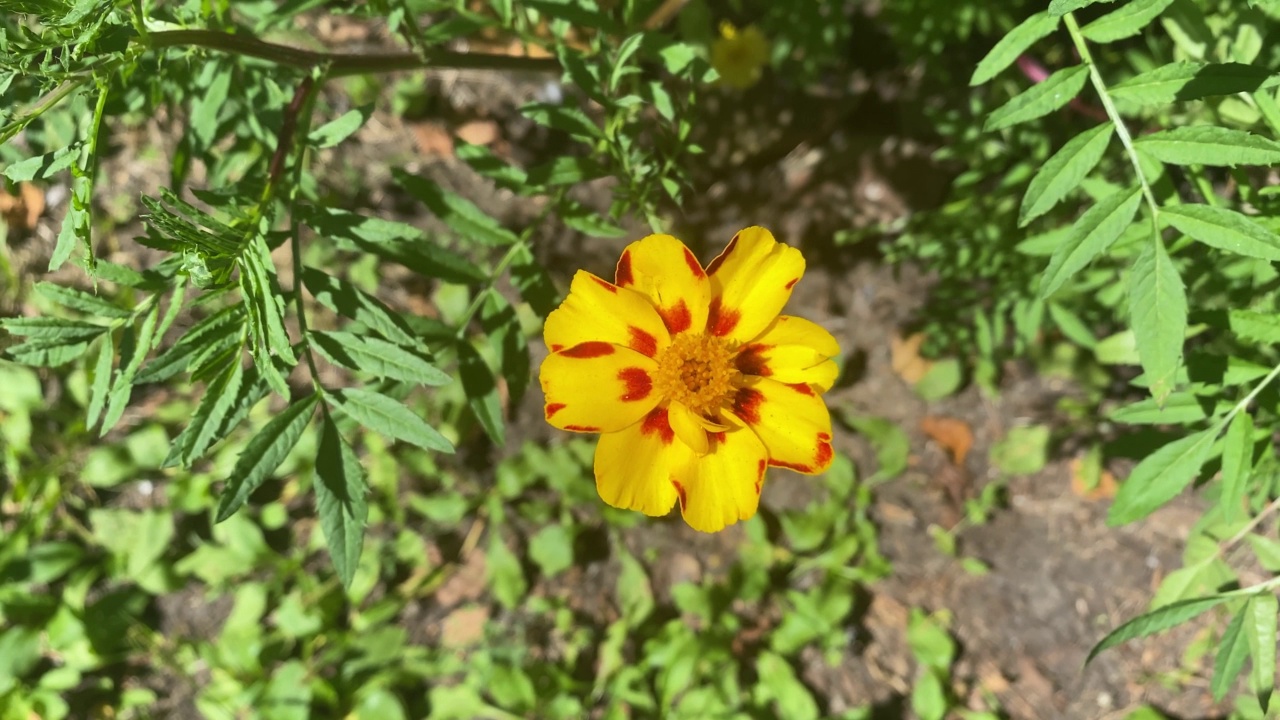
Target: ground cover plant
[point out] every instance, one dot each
(277, 280)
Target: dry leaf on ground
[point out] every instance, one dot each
(953, 434)
(22, 211)
(1106, 486)
(432, 139)
(905, 357)
(478, 132)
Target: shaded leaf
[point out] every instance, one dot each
(1224, 229)
(1158, 314)
(1233, 650)
(341, 127)
(340, 501)
(482, 391)
(461, 215)
(1063, 172)
(1090, 236)
(1190, 81)
(1160, 619)
(377, 357)
(1260, 631)
(1160, 477)
(263, 454)
(1040, 99)
(388, 417)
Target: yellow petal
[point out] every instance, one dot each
(791, 420)
(688, 428)
(750, 283)
(792, 350)
(597, 387)
(669, 274)
(599, 310)
(633, 466)
(723, 486)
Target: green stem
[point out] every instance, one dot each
(48, 101)
(1121, 129)
(341, 64)
(298, 138)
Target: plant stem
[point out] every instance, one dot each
(1121, 129)
(341, 64)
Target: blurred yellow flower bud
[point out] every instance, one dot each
(739, 55)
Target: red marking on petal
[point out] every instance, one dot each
(791, 283)
(695, 267)
(823, 456)
(680, 491)
(582, 428)
(721, 320)
(676, 318)
(556, 347)
(746, 404)
(751, 361)
(638, 383)
(591, 349)
(760, 475)
(606, 285)
(657, 422)
(622, 275)
(791, 466)
(717, 436)
(715, 264)
(825, 437)
(553, 408)
(642, 342)
(802, 388)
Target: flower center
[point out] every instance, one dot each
(697, 371)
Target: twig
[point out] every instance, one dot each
(1254, 523)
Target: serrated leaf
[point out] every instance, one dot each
(101, 381)
(461, 215)
(1160, 619)
(1233, 650)
(47, 353)
(134, 346)
(377, 357)
(1190, 81)
(265, 304)
(1237, 465)
(1224, 229)
(43, 166)
(394, 241)
(1160, 477)
(1179, 408)
(206, 104)
(1125, 21)
(388, 417)
(482, 392)
(1090, 236)
(221, 329)
(1058, 8)
(1063, 172)
(1260, 631)
(202, 430)
(252, 388)
(340, 501)
(75, 224)
(52, 329)
(1013, 44)
(263, 454)
(560, 117)
(1040, 99)
(1158, 315)
(351, 302)
(1209, 145)
(341, 127)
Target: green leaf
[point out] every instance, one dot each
(891, 444)
(52, 329)
(134, 346)
(482, 392)
(206, 103)
(560, 117)
(263, 454)
(1209, 145)
(265, 304)
(1233, 650)
(222, 329)
(1058, 8)
(1260, 631)
(531, 279)
(1024, 451)
(1179, 408)
(341, 127)
(394, 241)
(47, 353)
(1124, 22)
(1160, 619)
(779, 685)
(1237, 465)
(43, 166)
(566, 170)
(506, 577)
(1189, 81)
(1224, 229)
(340, 502)
(1267, 550)
(1090, 236)
(351, 302)
(634, 590)
(1040, 99)
(101, 381)
(1160, 477)
(388, 417)
(377, 357)
(461, 215)
(1255, 327)
(207, 423)
(74, 225)
(552, 549)
(1158, 314)
(1013, 44)
(1063, 172)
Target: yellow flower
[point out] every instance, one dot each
(739, 55)
(693, 379)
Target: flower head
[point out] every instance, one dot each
(739, 55)
(691, 376)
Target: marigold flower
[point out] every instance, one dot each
(693, 379)
(739, 55)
